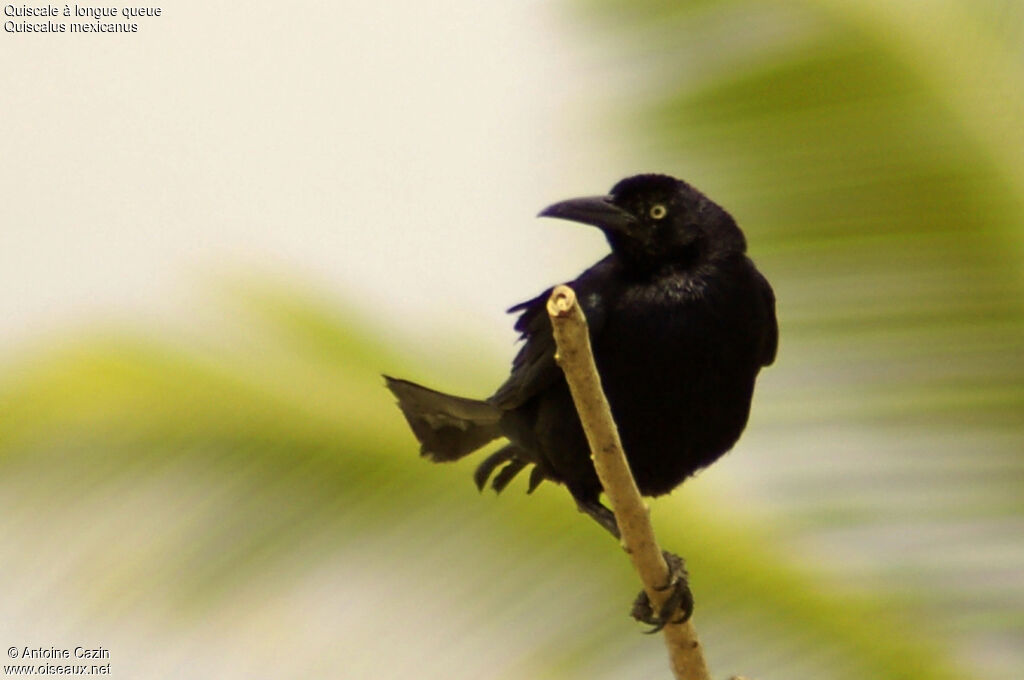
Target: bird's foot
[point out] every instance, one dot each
(678, 608)
(601, 515)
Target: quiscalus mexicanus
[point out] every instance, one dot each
(681, 322)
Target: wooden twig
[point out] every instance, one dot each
(686, 656)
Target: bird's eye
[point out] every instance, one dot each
(658, 211)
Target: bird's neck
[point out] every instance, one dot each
(640, 264)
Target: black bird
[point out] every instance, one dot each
(681, 322)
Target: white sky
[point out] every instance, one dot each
(393, 150)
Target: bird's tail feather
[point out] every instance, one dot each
(448, 427)
(514, 460)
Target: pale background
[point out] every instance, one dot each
(377, 147)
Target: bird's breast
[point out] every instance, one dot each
(675, 352)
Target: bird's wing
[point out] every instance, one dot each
(770, 345)
(534, 368)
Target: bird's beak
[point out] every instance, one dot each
(598, 211)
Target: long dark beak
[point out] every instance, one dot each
(598, 211)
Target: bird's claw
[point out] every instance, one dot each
(680, 600)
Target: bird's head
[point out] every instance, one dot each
(655, 220)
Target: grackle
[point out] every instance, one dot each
(681, 322)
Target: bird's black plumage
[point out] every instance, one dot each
(681, 322)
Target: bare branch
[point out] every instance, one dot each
(577, 361)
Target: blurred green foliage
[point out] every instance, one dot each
(874, 154)
(310, 457)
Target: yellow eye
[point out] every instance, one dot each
(658, 211)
